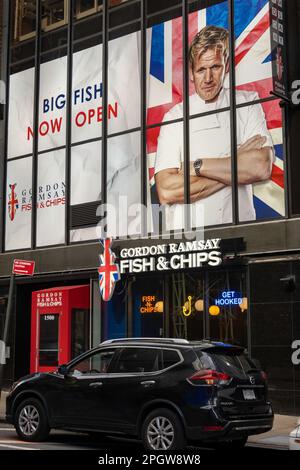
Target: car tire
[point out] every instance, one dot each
(31, 421)
(162, 430)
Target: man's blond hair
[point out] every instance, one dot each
(210, 37)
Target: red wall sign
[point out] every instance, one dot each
(23, 268)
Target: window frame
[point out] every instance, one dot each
(58, 24)
(18, 37)
(79, 15)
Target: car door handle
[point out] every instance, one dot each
(148, 383)
(96, 384)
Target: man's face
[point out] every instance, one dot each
(208, 74)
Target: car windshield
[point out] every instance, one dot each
(226, 361)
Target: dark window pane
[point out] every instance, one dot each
(54, 14)
(276, 362)
(229, 363)
(266, 284)
(79, 332)
(97, 363)
(48, 347)
(170, 358)
(24, 19)
(139, 360)
(267, 320)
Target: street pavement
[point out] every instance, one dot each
(64, 440)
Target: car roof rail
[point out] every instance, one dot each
(146, 340)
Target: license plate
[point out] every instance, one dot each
(249, 394)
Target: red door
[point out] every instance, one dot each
(59, 326)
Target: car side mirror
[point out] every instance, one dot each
(63, 370)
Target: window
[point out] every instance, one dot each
(87, 7)
(54, 14)
(25, 19)
(79, 331)
(170, 358)
(138, 360)
(98, 363)
(48, 348)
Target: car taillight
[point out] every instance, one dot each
(209, 377)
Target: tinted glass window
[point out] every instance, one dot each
(139, 360)
(170, 358)
(48, 348)
(228, 362)
(96, 364)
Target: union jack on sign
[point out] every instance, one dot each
(13, 203)
(108, 271)
(253, 59)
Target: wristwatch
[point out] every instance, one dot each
(197, 165)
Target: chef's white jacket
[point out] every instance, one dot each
(210, 138)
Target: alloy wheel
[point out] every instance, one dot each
(160, 433)
(29, 420)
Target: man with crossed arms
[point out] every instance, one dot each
(210, 143)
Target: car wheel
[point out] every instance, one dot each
(31, 422)
(162, 430)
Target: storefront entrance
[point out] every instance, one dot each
(59, 326)
(192, 305)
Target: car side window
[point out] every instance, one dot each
(138, 360)
(97, 363)
(170, 358)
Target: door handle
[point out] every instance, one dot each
(96, 384)
(148, 383)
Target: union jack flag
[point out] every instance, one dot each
(108, 271)
(253, 73)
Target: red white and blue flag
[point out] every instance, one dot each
(253, 73)
(108, 271)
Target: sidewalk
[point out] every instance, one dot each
(277, 438)
(2, 405)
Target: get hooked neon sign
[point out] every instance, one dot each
(228, 298)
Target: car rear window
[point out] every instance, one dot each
(227, 361)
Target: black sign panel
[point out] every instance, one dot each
(278, 15)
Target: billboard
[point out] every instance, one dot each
(259, 126)
(261, 193)
(86, 132)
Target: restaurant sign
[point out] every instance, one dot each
(171, 257)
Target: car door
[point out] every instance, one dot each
(85, 401)
(134, 380)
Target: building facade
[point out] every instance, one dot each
(102, 107)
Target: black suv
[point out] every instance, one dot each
(165, 391)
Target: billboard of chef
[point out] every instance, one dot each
(210, 141)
